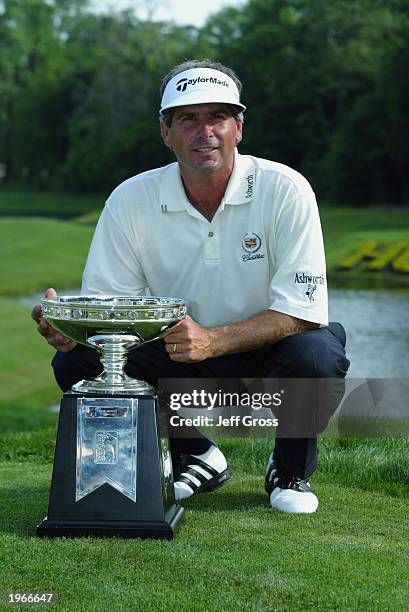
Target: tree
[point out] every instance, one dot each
(30, 61)
(320, 92)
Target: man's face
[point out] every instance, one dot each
(203, 138)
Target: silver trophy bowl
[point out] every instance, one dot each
(113, 325)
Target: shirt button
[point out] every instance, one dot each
(210, 234)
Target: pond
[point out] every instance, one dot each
(376, 323)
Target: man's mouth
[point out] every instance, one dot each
(205, 149)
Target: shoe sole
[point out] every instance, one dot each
(301, 503)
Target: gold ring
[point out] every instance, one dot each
(174, 348)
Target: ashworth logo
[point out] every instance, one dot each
(311, 281)
(182, 84)
(251, 243)
(309, 278)
(250, 185)
(310, 292)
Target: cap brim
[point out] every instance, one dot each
(200, 97)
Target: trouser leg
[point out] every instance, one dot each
(69, 368)
(317, 354)
(312, 354)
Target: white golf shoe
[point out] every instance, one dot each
(200, 473)
(288, 493)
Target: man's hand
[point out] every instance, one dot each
(188, 341)
(53, 337)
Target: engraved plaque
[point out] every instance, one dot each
(106, 445)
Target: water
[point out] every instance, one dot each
(376, 323)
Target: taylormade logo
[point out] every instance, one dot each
(183, 83)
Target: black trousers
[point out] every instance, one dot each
(312, 354)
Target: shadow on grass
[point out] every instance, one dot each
(22, 509)
(24, 506)
(227, 499)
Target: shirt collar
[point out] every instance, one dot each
(172, 195)
(240, 188)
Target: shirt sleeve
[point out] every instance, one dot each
(112, 267)
(299, 286)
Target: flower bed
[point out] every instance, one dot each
(375, 257)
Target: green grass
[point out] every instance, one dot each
(232, 552)
(20, 201)
(365, 464)
(340, 221)
(89, 218)
(40, 253)
(27, 388)
(345, 229)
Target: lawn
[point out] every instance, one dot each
(232, 552)
(17, 201)
(35, 244)
(27, 388)
(39, 253)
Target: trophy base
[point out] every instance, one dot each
(123, 487)
(163, 530)
(126, 386)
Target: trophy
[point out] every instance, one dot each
(112, 473)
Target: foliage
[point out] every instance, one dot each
(325, 84)
(319, 75)
(401, 263)
(374, 257)
(364, 251)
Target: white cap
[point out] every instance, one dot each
(200, 86)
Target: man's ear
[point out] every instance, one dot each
(164, 130)
(239, 131)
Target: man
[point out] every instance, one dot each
(239, 238)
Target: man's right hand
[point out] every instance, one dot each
(53, 337)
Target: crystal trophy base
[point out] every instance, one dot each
(112, 472)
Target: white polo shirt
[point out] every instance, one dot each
(263, 248)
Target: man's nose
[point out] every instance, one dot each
(205, 129)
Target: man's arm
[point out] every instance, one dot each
(188, 341)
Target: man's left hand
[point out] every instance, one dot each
(188, 341)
